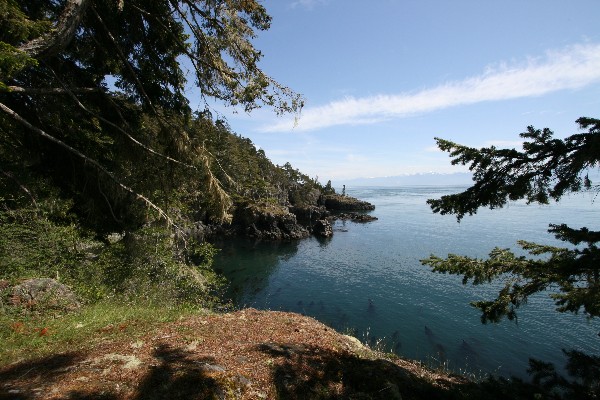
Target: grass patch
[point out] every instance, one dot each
(28, 337)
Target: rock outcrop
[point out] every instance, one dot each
(323, 228)
(268, 221)
(335, 202)
(272, 221)
(40, 294)
(307, 215)
(356, 217)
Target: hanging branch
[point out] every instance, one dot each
(88, 160)
(23, 188)
(125, 61)
(68, 91)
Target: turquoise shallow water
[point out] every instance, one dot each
(368, 280)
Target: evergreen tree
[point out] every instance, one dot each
(546, 169)
(94, 91)
(106, 174)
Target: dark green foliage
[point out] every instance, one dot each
(102, 107)
(43, 239)
(328, 189)
(97, 140)
(545, 170)
(16, 28)
(246, 172)
(32, 245)
(563, 269)
(303, 189)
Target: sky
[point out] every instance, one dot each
(381, 79)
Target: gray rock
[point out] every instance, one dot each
(268, 221)
(323, 228)
(212, 367)
(43, 294)
(356, 217)
(242, 380)
(336, 202)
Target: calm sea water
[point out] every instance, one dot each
(367, 280)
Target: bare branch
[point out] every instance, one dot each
(51, 90)
(88, 160)
(23, 188)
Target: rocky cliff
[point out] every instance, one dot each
(272, 221)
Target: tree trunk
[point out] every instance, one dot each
(59, 37)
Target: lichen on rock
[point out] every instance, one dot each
(41, 294)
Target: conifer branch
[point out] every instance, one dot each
(125, 61)
(68, 91)
(88, 160)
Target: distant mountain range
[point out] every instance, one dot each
(425, 179)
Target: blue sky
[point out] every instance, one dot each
(382, 78)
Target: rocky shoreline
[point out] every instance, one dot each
(273, 221)
(298, 222)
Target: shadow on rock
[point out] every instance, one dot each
(35, 373)
(302, 372)
(176, 374)
(179, 377)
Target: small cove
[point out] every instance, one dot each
(367, 280)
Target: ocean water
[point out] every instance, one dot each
(367, 280)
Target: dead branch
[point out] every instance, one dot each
(51, 90)
(88, 160)
(23, 188)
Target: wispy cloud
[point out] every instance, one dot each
(569, 68)
(433, 149)
(308, 4)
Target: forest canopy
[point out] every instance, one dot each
(97, 137)
(97, 88)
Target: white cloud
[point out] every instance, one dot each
(569, 68)
(433, 149)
